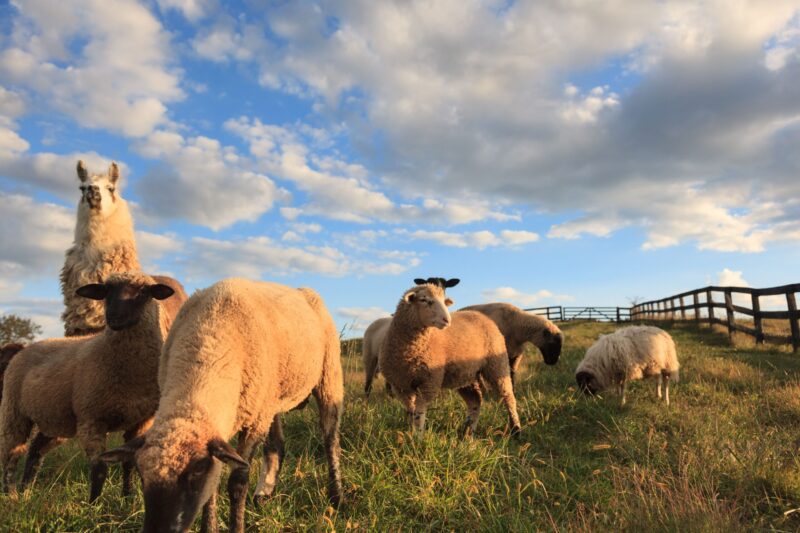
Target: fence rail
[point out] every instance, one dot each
(676, 307)
(600, 314)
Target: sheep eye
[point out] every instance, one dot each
(110, 189)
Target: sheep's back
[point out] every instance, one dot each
(470, 338)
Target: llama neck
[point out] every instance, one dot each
(93, 229)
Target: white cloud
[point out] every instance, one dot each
(522, 299)
(191, 9)
(735, 278)
(201, 181)
(476, 239)
(114, 79)
(359, 318)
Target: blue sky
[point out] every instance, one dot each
(545, 153)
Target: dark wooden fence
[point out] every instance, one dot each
(692, 304)
(600, 314)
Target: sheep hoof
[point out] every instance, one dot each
(260, 500)
(516, 432)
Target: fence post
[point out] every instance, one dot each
(696, 302)
(617, 315)
(710, 304)
(791, 303)
(683, 310)
(757, 318)
(729, 311)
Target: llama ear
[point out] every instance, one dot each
(451, 282)
(419, 281)
(93, 291)
(83, 174)
(113, 172)
(159, 291)
(124, 453)
(448, 302)
(224, 452)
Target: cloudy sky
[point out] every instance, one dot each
(550, 152)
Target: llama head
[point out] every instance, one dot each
(99, 191)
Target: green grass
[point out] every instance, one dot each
(723, 457)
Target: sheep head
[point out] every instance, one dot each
(429, 304)
(126, 297)
(177, 479)
(550, 344)
(99, 195)
(587, 382)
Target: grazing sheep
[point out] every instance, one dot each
(104, 243)
(240, 353)
(634, 352)
(375, 333)
(7, 351)
(519, 327)
(92, 385)
(425, 350)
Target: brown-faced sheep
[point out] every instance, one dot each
(92, 385)
(425, 351)
(104, 243)
(634, 352)
(519, 327)
(240, 353)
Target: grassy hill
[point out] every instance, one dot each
(723, 457)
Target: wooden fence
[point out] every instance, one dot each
(691, 305)
(601, 314)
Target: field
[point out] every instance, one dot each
(723, 457)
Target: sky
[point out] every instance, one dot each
(557, 152)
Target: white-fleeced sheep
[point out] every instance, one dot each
(240, 353)
(519, 327)
(104, 243)
(426, 350)
(631, 353)
(92, 385)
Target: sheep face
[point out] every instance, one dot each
(588, 383)
(551, 346)
(98, 191)
(177, 480)
(430, 305)
(125, 301)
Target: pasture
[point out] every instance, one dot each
(723, 457)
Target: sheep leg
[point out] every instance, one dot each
(498, 373)
(39, 447)
(238, 482)
(330, 413)
(472, 397)
(273, 460)
(14, 434)
(371, 371)
(513, 365)
(666, 387)
(208, 523)
(622, 391)
(128, 466)
(658, 385)
(93, 441)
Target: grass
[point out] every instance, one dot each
(723, 457)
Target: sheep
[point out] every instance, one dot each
(240, 353)
(519, 327)
(634, 352)
(7, 352)
(104, 243)
(373, 338)
(375, 333)
(91, 385)
(426, 350)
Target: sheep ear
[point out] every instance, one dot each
(448, 302)
(124, 453)
(113, 172)
(410, 297)
(83, 174)
(159, 291)
(224, 452)
(93, 291)
(419, 281)
(451, 282)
